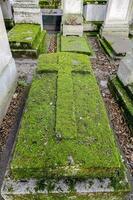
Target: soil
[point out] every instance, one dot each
(10, 117)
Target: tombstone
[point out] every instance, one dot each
(73, 6)
(94, 12)
(8, 72)
(125, 71)
(72, 17)
(27, 12)
(117, 18)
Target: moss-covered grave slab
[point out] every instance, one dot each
(116, 47)
(27, 40)
(124, 97)
(65, 144)
(75, 44)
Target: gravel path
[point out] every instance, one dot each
(103, 68)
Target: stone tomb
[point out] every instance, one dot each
(72, 17)
(117, 18)
(8, 72)
(115, 30)
(27, 11)
(95, 12)
(27, 36)
(65, 129)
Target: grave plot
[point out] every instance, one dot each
(74, 44)
(27, 40)
(65, 147)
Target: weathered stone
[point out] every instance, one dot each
(6, 9)
(73, 6)
(27, 12)
(120, 45)
(72, 19)
(125, 71)
(8, 72)
(66, 130)
(93, 12)
(117, 18)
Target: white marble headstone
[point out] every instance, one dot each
(73, 6)
(5, 53)
(8, 71)
(118, 10)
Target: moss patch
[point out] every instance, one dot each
(50, 4)
(26, 38)
(68, 197)
(75, 44)
(65, 130)
(95, 1)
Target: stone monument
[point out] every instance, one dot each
(8, 72)
(125, 71)
(72, 17)
(27, 11)
(117, 18)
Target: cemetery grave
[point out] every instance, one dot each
(74, 44)
(65, 129)
(27, 40)
(79, 105)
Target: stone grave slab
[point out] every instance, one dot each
(117, 18)
(75, 44)
(27, 40)
(117, 45)
(65, 146)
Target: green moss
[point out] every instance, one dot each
(75, 44)
(65, 131)
(97, 196)
(95, 1)
(27, 38)
(49, 4)
(108, 49)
